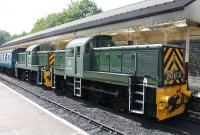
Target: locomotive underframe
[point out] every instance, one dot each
(110, 94)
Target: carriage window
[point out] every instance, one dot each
(10, 57)
(70, 52)
(6, 57)
(78, 49)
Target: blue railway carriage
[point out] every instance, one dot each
(8, 59)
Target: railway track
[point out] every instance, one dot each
(193, 116)
(94, 127)
(99, 127)
(193, 107)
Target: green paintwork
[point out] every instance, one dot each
(23, 66)
(113, 78)
(105, 61)
(43, 58)
(113, 64)
(92, 59)
(74, 60)
(35, 56)
(95, 61)
(59, 59)
(139, 61)
(21, 58)
(70, 61)
(115, 61)
(59, 63)
(128, 62)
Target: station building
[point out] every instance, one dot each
(146, 22)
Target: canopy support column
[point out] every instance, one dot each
(187, 52)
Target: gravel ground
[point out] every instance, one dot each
(130, 125)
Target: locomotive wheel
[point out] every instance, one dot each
(120, 105)
(68, 90)
(92, 97)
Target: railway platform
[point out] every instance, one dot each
(20, 116)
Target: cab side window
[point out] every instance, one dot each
(70, 52)
(89, 47)
(78, 50)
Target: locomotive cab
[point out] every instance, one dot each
(33, 64)
(78, 53)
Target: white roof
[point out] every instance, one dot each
(130, 11)
(32, 47)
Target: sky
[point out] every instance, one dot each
(17, 16)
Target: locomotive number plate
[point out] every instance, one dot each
(174, 75)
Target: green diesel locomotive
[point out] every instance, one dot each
(141, 79)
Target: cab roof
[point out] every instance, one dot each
(31, 48)
(85, 40)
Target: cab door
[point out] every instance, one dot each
(78, 61)
(70, 61)
(28, 59)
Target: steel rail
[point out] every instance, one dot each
(102, 126)
(96, 123)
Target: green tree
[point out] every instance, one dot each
(4, 37)
(83, 8)
(39, 25)
(77, 10)
(18, 35)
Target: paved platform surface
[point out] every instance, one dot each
(20, 116)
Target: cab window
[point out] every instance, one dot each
(78, 49)
(70, 52)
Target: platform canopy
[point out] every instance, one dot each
(150, 21)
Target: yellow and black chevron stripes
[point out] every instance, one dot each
(173, 65)
(51, 58)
